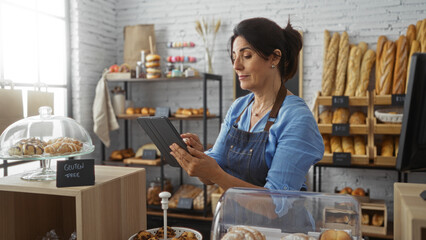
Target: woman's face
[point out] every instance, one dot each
(253, 70)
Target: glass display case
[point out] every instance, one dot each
(44, 137)
(279, 214)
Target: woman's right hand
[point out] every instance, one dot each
(193, 140)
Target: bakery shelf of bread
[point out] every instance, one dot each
(358, 193)
(374, 217)
(386, 150)
(386, 128)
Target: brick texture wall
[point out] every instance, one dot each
(97, 42)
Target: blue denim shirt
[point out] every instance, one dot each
(293, 146)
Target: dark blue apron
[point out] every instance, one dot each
(245, 158)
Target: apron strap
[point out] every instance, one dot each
(239, 117)
(282, 93)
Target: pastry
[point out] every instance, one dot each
(357, 118)
(130, 110)
(346, 190)
(377, 219)
(379, 52)
(233, 236)
(255, 233)
(387, 60)
(298, 236)
(151, 111)
(63, 145)
(27, 147)
(348, 144)
(342, 65)
(326, 140)
(330, 65)
(387, 146)
(334, 235)
(143, 235)
(336, 144)
(138, 110)
(358, 192)
(400, 69)
(359, 145)
(116, 155)
(186, 236)
(170, 232)
(326, 117)
(340, 115)
(145, 111)
(365, 220)
(366, 65)
(152, 57)
(354, 66)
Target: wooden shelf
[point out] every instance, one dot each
(163, 79)
(382, 99)
(113, 208)
(386, 128)
(355, 159)
(181, 215)
(353, 128)
(353, 101)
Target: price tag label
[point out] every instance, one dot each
(340, 129)
(340, 101)
(150, 154)
(398, 99)
(162, 112)
(342, 159)
(71, 173)
(185, 203)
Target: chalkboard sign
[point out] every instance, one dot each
(162, 112)
(150, 154)
(341, 129)
(71, 173)
(185, 203)
(340, 101)
(398, 99)
(342, 159)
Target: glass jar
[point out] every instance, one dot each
(118, 100)
(155, 189)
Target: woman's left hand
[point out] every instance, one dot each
(196, 163)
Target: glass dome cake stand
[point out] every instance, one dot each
(44, 137)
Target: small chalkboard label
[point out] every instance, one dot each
(340, 101)
(71, 173)
(398, 99)
(162, 112)
(342, 159)
(185, 203)
(341, 129)
(150, 154)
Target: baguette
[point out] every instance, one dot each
(330, 65)
(340, 115)
(342, 64)
(423, 36)
(379, 52)
(411, 35)
(359, 145)
(386, 68)
(418, 30)
(387, 146)
(363, 47)
(415, 47)
(326, 140)
(326, 43)
(326, 117)
(353, 71)
(400, 69)
(336, 144)
(348, 145)
(366, 66)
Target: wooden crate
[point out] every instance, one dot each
(114, 208)
(353, 101)
(355, 159)
(374, 207)
(386, 128)
(341, 219)
(383, 160)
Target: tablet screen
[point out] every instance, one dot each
(163, 134)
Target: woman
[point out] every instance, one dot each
(269, 138)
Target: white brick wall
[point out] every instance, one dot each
(97, 42)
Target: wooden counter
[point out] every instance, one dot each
(114, 208)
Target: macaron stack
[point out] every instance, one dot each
(153, 66)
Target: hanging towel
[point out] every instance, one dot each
(103, 114)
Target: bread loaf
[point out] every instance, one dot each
(400, 69)
(415, 47)
(366, 66)
(359, 145)
(326, 117)
(340, 115)
(342, 64)
(411, 35)
(334, 235)
(363, 47)
(336, 144)
(396, 145)
(357, 118)
(330, 65)
(326, 140)
(326, 43)
(354, 67)
(422, 33)
(348, 144)
(418, 30)
(387, 61)
(387, 146)
(379, 52)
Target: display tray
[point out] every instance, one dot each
(139, 160)
(181, 210)
(178, 230)
(192, 116)
(86, 149)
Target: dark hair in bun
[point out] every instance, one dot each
(265, 36)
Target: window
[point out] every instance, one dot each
(34, 53)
